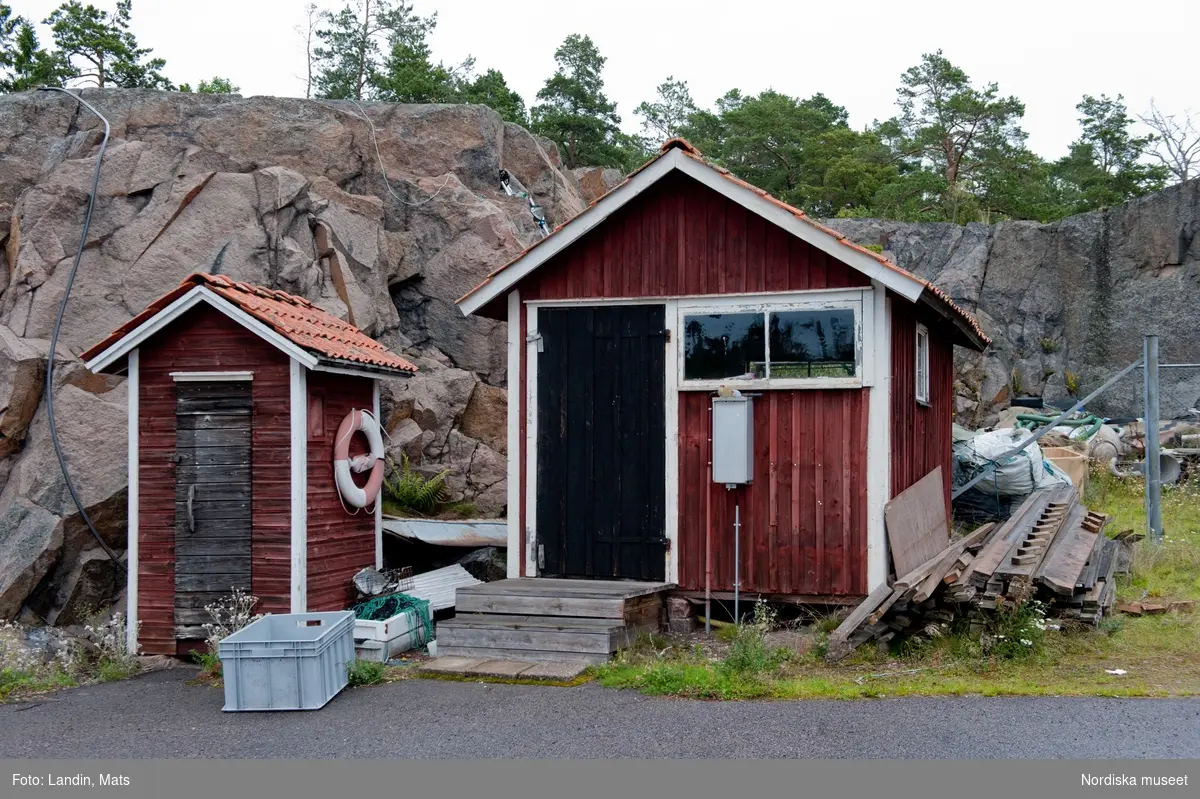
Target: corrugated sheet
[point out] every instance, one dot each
(804, 516)
(920, 434)
(205, 340)
(439, 585)
(478, 533)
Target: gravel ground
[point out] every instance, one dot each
(161, 715)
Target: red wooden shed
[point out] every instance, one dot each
(624, 322)
(236, 395)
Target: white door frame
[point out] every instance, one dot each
(671, 411)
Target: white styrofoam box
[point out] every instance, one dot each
(733, 440)
(383, 640)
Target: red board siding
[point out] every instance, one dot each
(920, 434)
(203, 339)
(804, 523)
(680, 237)
(340, 543)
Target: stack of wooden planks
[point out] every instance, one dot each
(1051, 549)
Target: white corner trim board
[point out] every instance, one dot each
(299, 481)
(671, 409)
(514, 435)
(879, 452)
(133, 386)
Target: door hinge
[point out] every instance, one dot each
(536, 338)
(667, 335)
(666, 542)
(541, 558)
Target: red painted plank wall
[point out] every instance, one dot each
(920, 434)
(804, 524)
(340, 543)
(680, 237)
(203, 339)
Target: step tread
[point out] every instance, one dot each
(512, 622)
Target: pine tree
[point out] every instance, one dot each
(575, 113)
(105, 47)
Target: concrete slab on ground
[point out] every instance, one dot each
(525, 669)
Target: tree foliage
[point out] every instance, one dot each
(667, 115)
(27, 65)
(1104, 166)
(102, 50)
(490, 89)
(212, 86)
(576, 114)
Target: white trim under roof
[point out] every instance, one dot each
(906, 286)
(210, 377)
(185, 303)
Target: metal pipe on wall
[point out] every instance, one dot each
(737, 561)
(1153, 466)
(708, 564)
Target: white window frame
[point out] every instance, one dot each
(859, 301)
(922, 378)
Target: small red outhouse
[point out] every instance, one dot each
(626, 322)
(246, 406)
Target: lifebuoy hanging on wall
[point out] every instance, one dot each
(344, 466)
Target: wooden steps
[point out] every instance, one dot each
(550, 619)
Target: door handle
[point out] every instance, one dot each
(191, 517)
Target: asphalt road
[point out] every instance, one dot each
(160, 715)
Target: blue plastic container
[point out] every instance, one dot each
(293, 661)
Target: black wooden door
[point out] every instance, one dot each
(601, 442)
(212, 498)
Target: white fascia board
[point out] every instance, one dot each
(181, 306)
(569, 233)
(908, 287)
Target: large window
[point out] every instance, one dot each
(803, 344)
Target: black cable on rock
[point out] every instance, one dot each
(62, 307)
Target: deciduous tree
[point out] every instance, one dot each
(1176, 140)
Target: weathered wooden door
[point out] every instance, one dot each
(601, 442)
(212, 498)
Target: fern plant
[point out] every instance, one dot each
(412, 492)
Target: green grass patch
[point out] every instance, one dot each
(15, 684)
(1160, 654)
(365, 672)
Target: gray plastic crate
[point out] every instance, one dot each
(293, 661)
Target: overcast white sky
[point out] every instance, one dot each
(1047, 53)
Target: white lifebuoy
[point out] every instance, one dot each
(354, 422)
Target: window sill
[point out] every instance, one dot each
(924, 403)
(773, 385)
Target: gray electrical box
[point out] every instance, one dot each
(733, 440)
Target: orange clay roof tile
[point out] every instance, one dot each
(295, 318)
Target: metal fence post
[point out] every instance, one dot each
(1153, 467)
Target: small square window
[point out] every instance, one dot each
(922, 364)
(724, 346)
(812, 343)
